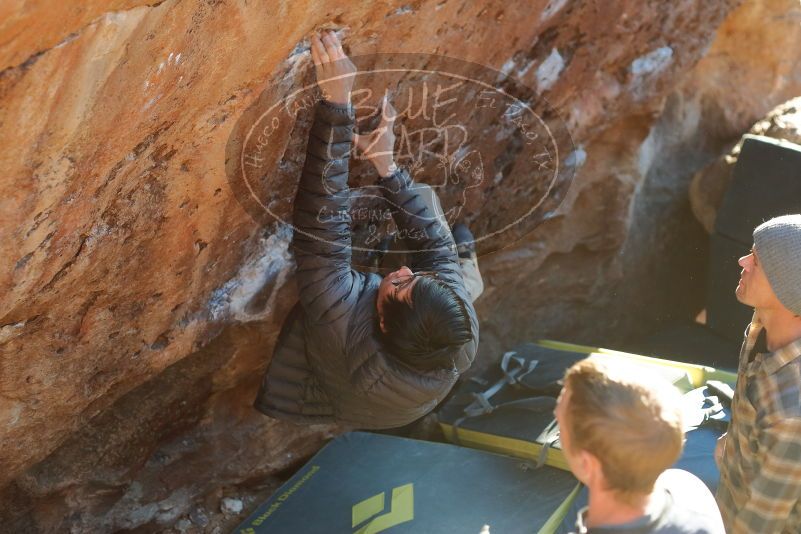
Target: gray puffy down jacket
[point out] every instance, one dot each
(329, 363)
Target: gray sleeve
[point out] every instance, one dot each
(435, 250)
(322, 240)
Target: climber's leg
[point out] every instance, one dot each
(473, 282)
(465, 244)
(468, 260)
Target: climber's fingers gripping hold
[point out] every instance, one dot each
(332, 46)
(335, 71)
(317, 50)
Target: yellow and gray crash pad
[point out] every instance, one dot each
(364, 483)
(508, 409)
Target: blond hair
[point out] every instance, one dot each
(632, 425)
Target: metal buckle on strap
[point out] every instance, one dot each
(514, 368)
(550, 435)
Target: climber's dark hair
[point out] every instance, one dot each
(428, 334)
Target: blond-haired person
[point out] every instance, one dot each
(620, 434)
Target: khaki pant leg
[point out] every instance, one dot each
(474, 283)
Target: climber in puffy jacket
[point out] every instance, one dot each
(359, 349)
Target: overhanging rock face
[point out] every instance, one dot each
(141, 300)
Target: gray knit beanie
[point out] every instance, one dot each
(778, 246)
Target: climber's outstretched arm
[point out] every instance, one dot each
(422, 230)
(322, 240)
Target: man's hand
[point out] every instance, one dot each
(335, 71)
(379, 145)
(720, 448)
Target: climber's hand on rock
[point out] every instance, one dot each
(379, 145)
(335, 71)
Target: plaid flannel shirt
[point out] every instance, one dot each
(760, 475)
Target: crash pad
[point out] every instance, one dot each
(365, 483)
(509, 426)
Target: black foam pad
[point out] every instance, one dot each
(726, 316)
(693, 343)
(368, 483)
(766, 183)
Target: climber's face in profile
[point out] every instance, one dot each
(754, 289)
(396, 285)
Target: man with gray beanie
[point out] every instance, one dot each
(760, 456)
